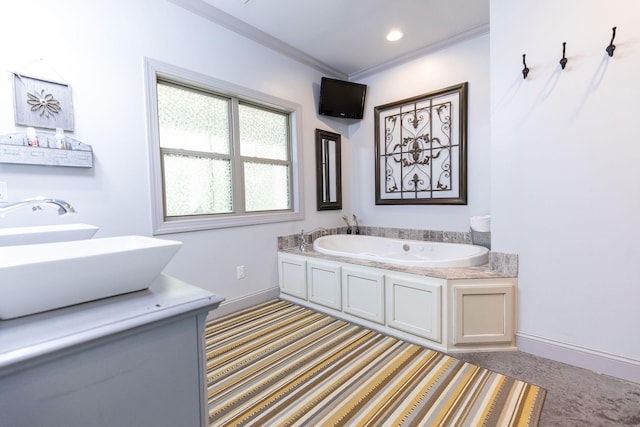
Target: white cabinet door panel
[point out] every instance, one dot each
(363, 294)
(415, 306)
(293, 272)
(323, 284)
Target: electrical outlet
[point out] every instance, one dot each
(240, 272)
(4, 195)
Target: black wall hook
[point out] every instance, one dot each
(563, 61)
(525, 70)
(611, 46)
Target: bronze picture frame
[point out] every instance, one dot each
(421, 149)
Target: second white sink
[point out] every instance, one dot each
(41, 277)
(45, 234)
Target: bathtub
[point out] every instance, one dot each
(413, 253)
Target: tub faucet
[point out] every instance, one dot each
(304, 234)
(64, 208)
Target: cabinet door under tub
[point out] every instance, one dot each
(323, 283)
(414, 305)
(483, 312)
(363, 294)
(293, 271)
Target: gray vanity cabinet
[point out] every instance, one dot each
(133, 360)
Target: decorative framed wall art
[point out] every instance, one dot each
(421, 149)
(42, 104)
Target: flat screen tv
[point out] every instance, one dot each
(340, 98)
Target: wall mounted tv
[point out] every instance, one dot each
(340, 98)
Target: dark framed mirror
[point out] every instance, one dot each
(328, 170)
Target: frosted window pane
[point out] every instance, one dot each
(266, 187)
(197, 185)
(192, 120)
(263, 133)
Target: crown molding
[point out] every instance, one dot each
(460, 37)
(217, 16)
(223, 19)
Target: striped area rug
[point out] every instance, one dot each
(279, 364)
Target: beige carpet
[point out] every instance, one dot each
(280, 364)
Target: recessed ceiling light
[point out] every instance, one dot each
(394, 35)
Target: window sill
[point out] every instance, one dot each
(200, 224)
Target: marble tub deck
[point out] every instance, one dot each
(499, 266)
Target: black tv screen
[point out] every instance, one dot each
(340, 98)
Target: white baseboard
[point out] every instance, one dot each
(603, 363)
(245, 301)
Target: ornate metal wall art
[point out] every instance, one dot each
(42, 104)
(421, 155)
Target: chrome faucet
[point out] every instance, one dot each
(304, 234)
(64, 208)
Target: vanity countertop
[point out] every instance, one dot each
(448, 273)
(28, 337)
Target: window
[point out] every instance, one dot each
(222, 155)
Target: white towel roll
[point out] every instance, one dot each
(481, 223)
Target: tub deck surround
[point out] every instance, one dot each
(500, 264)
(390, 232)
(448, 273)
(450, 309)
(447, 309)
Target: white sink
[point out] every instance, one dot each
(45, 234)
(41, 277)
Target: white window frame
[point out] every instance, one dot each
(161, 225)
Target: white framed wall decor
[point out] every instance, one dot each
(42, 104)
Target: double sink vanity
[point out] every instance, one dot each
(91, 332)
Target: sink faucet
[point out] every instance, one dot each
(64, 208)
(304, 234)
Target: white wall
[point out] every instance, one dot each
(97, 47)
(558, 174)
(564, 156)
(467, 61)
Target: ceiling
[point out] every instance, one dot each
(346, 38)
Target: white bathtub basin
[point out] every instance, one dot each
(414, 253)
(41, 277)
(45, 234)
